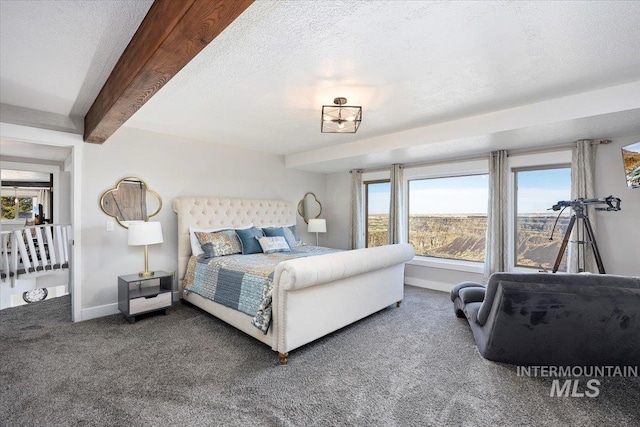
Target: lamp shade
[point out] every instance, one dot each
(317, 226)
(144, 233)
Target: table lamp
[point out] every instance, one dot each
(145, 233)
(317, 226)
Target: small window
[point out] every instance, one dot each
(537, 235)
(448, 217)
(24, 205)
(378, 198)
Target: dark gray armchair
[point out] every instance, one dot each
(554, 319)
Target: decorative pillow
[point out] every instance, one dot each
(273, 231)
(291, 234)
(219, 243)
(248, 240)
(270, 245)
(196, 249)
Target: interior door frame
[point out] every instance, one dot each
(73, 164)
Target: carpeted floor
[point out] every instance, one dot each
(412, 366)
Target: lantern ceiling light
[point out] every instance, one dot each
(340, 118)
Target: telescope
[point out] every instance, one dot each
(613, 203)
(577, 205)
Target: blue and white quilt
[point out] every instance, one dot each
(242, 282)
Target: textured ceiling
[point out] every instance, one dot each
(262, 83)
(56, 55)
(410, 64)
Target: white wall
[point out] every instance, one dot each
(440, 275)
(172, 167)
(441, 279)
(338, 208)
(617, 233)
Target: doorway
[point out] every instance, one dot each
(58, 153)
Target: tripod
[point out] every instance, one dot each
(578, 214)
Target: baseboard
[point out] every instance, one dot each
(99, 311)
(429, 284)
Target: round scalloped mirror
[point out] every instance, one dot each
(130, 200)
(309, 207)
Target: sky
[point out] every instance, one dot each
(538, 190)
(633, 147)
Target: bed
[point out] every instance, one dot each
(311, 296)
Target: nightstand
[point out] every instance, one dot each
(138, 295)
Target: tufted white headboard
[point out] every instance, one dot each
(214, 212)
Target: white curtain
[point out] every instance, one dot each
(357, 211)
(495, 258)
(397, 218)
(583, 165)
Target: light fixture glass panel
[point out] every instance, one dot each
(340, 118)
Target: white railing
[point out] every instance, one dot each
(34, 252)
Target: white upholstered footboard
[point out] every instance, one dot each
(315, 296)
(311, 296)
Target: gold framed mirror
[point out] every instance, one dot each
(130, 200)
(309, 207)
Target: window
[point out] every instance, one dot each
(448, 217)
(377, 200)
(24, 205)
(537, 190)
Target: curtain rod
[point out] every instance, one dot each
(552, 148)
(517, 152)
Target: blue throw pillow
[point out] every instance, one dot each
(248, 240)
(273, 232)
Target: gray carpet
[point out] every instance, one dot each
(414, 366)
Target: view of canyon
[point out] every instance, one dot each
(631, 158)
(448, 216)
(462, 237)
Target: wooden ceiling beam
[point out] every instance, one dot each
(172, 33)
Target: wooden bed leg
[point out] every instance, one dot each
(398, 303)
(283, 358)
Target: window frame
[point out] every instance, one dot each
(448, 169)
(365, 187)
(551, 159)
(408, 193)
(17, 219)
(514, 244)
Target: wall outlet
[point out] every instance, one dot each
(110, 225)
